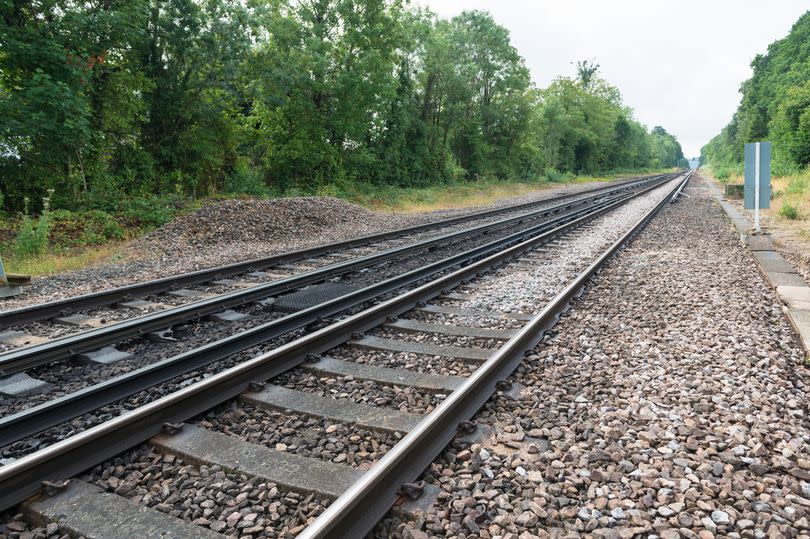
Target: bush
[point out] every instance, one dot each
(246, 181)
(79, 229)
(554, 175)
(788, 211)
(151, 211)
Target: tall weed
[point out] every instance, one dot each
(32, 239)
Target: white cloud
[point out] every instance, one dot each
(678, 64)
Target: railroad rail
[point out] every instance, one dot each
(61, 307)
(24, 358)
(35, 419)
(360, 498)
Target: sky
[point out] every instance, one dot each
(678, 63)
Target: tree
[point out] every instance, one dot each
(772, 107)
(586, 73)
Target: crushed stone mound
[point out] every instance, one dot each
(281, 220)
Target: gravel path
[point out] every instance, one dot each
(788, 237)
(671, 402)
(237, 230)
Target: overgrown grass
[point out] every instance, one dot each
(788, 211)
(32, 239)
(792, 196)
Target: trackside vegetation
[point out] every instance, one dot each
(118, 104)
(775, 106)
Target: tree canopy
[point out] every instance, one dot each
(775, 106)
(108, 99)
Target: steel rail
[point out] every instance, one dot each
(101, 298)
(24, 477)
(56, 411)
(358, 510)
(22, 359)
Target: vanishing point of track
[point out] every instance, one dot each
(367, 496)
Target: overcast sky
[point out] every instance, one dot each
(678, 63)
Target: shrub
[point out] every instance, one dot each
(246, 181)
(151, 211)
(80, 229)
(789, 211)
(554, 175)
(722, 173)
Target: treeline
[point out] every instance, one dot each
(775, 106)
(104, 100)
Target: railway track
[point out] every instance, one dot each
(253, 271)
(38, 413)
(151, 338)
(245, 300)
(405, 374)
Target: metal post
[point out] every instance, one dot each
(756, 188)
(3, 280)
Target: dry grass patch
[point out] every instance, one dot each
(51, 264)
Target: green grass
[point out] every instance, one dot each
(790, 205)
(788, 211)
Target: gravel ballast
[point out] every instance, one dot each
(670, 402)
(190, 242)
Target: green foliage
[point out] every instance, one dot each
(775, 106)
(129, 106)
(32, 238)
(245, 181)
(151, 211)
(789, 211)
(80, 229)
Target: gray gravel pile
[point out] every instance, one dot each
(261, 221)
(232, 504)
(671, 403)
(306, 436)
(15, 526)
